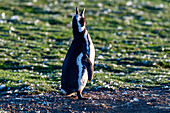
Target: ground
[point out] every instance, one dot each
(117, 101)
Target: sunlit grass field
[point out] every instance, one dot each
(131, 38)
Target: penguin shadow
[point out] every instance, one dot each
(71, 96)
(75, 97)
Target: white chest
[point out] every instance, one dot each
(82, 73)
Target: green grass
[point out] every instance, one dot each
(131, 39)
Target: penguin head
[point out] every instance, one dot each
(78, 23)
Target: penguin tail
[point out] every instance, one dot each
(63, 92)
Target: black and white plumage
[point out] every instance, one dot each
(79, 61)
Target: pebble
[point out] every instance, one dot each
(162, 107)
(100, 5)
(2, 86)
(153, 100)
(135, 99)
(100, 57)
(155, 95)
(9, 92)
(149, 103)
(144, 95)
(89, 98)
(125, 93)
(15, 17)
(129, 3)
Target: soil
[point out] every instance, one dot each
(117, 101)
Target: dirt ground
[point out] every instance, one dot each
(118, 101)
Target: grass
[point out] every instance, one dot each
(131, 39)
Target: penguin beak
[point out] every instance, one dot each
(82, 13)
(77, 10)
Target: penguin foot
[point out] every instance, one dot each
(80, 97)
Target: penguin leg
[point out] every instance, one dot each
(80, 97)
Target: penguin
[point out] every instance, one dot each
(78, 64)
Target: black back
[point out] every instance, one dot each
(69, 79)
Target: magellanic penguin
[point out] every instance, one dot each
(79, 61)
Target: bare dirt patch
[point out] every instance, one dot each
(119, 101)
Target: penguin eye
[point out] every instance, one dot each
(82, 20)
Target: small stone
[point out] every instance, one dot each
(9, 92)
(153, 100)
(125, 93)
(12, 28)
(131, 100)
(41, 94)
(15, 17)
(129, 3)
(135, 99)
(113, 106)
(100, 5)
(3, 15)
(100, 57)
(70, 111)
(155, 95)
(2, 86)
(89, 98)
(149, 103)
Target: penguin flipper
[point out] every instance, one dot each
(87, 63)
